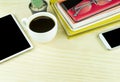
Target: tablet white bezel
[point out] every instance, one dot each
(24, 50)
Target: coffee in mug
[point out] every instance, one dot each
(42, 24)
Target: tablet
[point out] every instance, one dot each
(13, 40)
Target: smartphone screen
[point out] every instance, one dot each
(111, 38)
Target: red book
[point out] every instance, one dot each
(86, 8)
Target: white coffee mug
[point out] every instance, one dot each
(41, 36)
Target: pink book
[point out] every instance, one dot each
(87, 8)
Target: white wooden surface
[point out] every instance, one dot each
(79, 59)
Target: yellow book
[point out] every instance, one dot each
(71, 32)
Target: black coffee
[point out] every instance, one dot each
(42, 24)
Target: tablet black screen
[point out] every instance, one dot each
(12, 39)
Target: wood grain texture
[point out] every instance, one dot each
(79, 59)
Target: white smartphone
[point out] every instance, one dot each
(111, 38)
(13, 40)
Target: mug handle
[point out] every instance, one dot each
(24, 22)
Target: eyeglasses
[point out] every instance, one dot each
(85, 6)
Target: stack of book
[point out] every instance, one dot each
(78, 16)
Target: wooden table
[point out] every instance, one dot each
(80, 59)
